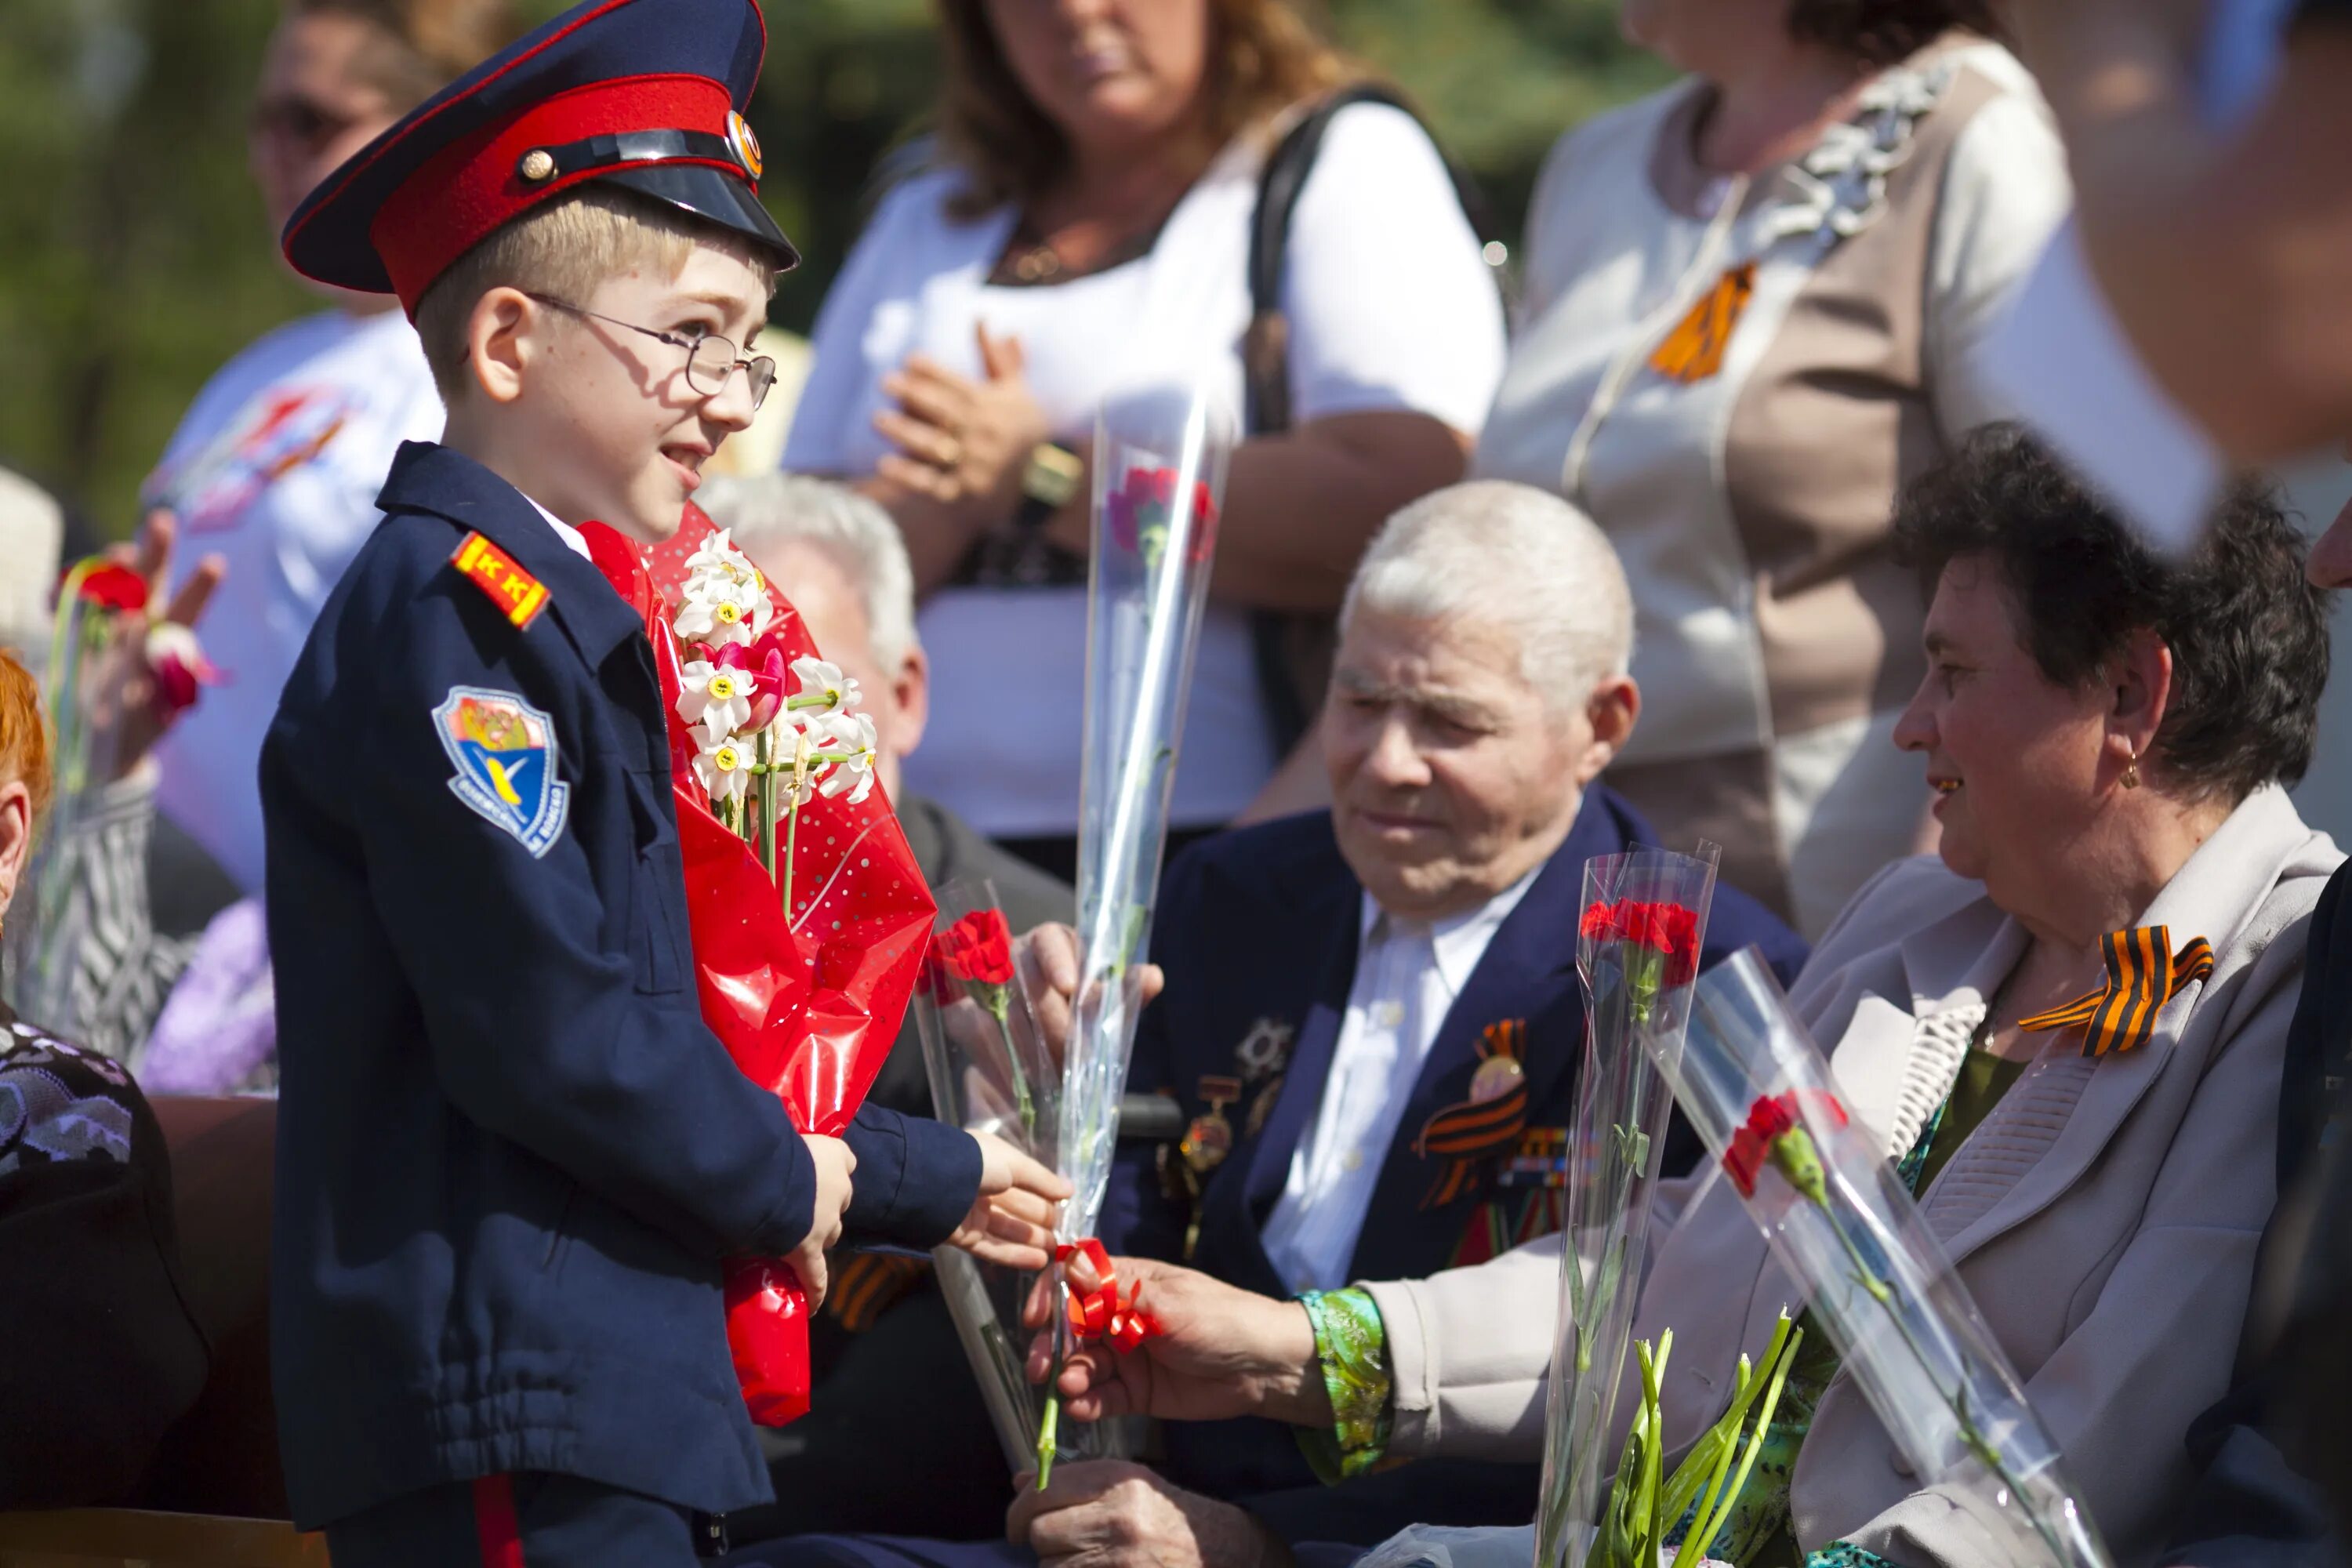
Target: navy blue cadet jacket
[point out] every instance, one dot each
(511, 1156)
(1257, 932)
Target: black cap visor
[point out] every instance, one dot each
(713, 197)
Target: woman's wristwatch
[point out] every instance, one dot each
(1051, 478)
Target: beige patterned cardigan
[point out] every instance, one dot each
(1776, 637)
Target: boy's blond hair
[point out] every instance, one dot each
(564, 249)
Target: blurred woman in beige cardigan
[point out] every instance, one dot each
(2107, 735)
(1751, 312)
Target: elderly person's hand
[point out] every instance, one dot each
(1107, 1513)
(1222, 1351)
(127, 708)
(1012, 1221)
(963, 443)
(1048, 957)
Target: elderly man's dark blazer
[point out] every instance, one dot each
(1257, 930)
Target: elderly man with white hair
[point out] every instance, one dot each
(1373, 1020)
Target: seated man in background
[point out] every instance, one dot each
(1348, 991)
(883, 1343)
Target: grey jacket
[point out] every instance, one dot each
(2104, 1217)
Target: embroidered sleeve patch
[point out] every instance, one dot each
(518, 596)
(504, 749)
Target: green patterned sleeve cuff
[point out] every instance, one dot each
(1352, 1346)
(1846, 1554)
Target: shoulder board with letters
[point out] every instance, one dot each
(518, 596)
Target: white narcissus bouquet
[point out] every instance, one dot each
(763, 753)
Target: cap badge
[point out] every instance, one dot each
(746, 144)
(537, 165)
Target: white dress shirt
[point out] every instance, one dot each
(573, 540)
(1408, 974)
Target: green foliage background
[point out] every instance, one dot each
(133, 260)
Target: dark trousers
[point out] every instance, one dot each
(529, 1521)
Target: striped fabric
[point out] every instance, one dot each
(112, 969)
(2142, 974)
(867, 1284)
(1468, 1133)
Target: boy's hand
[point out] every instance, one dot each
(834, 1165)
(1012, 1221)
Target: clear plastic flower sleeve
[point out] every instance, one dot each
(1643, 922)
(1158, 483)
(1754, 1083)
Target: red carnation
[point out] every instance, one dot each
(1744, 1160)
(1771, 1120)
(977, 949)
(1600, 923)
(114, 586)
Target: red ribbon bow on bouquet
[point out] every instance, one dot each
(807, 1005)
(1099, 1314)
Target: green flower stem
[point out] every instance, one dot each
(1646, 973)
(766, 780)
(998, 1001)
(792, 841)
(1049, 1423)
(1971, 1437)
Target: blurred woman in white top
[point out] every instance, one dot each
(1084, 227)
(276, 465)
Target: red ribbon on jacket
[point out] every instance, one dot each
(808, 1006)
(1099, 1314)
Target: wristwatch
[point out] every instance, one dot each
(1047, 484)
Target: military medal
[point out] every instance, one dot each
(1210, 1138)
(1265, 1051)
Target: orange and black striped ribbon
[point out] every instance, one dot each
(1694, 351)
(1467, 1134)
(2142, 974)
(867, 1284)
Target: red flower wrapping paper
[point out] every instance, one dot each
(807, 1007)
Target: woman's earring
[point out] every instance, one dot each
(2131, 773)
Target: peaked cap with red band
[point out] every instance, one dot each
(643, 94)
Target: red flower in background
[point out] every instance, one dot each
(1667, 928)
(977, 949)
(114, 586)
(1145, 501)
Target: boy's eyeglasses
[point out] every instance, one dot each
(709, 360)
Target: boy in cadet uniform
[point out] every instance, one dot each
(511, 1158)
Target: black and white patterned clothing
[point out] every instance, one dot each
(114, 970)
(98, 1352)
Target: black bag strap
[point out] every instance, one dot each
(1280, 185)
(1287, 646)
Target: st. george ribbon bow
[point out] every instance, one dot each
(2142, 974)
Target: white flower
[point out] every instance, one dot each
(717, 697)
(719, 612)
(821, 677)
(717, 559)
(724, 769)
(852, 756)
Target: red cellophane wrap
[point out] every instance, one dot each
(807, 1006)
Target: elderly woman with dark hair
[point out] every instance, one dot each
(1752, 307)
(2108, 736)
